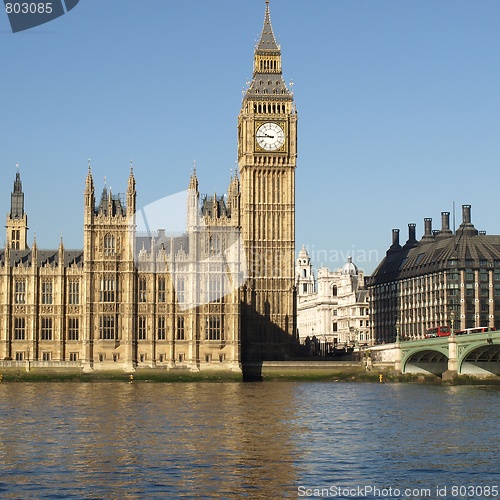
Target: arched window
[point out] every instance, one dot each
(142, 289)
(304, 273)
(334, 290)
(109, 244)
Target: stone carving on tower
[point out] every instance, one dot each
(141, 295)
(267, 153)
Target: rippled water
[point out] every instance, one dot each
(254, 440)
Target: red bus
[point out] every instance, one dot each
(477, 329)
(437, 331)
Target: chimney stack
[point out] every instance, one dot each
(411, 231)
(445, 232)
(428, 230)
(412, 242)
(445, 221)
(466, 214)
(467, 228)
(395, 237)
(395, 247)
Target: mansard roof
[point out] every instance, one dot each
(465, 249)
(268, 86)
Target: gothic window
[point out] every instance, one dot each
(215, 288)
(108, 288)
(46, 329)
(109, 244)
(19, 328)
(180, 290)
(73, 330)
(74, 292)
(106, 328)
(20, 291)
(142, 328)
(46, 292)
(215, 245)
(161, 328)
(213, 330)
(15, 239)
(142, 289)
(180, 328)
(161, 289)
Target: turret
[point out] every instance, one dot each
(304, 274)
(17, 220)
(233, 199)
(193, 202)
(131, 193)
(89, 197)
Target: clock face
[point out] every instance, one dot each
(270, 136)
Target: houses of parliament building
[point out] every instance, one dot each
(219, 294)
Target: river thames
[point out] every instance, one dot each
(253, 440)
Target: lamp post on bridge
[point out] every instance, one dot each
(398, 336)
(452, 323)
(452, 351)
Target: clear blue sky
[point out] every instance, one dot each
(398, 102)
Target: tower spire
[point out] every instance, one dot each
(17, 220)
(193, 181)
(267, 82)
(267, 40)
(17, 198)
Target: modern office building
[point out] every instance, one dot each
(419, 284)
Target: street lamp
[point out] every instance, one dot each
(452, 323)
(398, 325)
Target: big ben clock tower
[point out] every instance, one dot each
(267, 153)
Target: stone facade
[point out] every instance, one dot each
(219, 294)
(334, 308)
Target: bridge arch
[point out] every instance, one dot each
(425, 360)
(479, 360)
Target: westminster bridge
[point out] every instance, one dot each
(476, 354)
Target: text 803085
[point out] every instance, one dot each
(28, 8)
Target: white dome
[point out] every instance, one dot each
(349, 267)
(303, 253)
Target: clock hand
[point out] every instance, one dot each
(265, 135)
